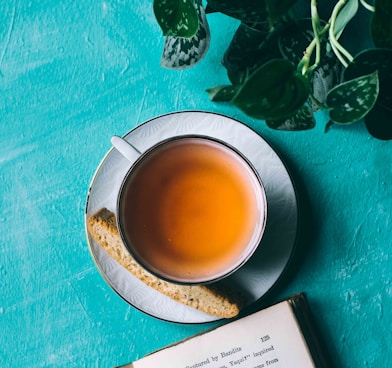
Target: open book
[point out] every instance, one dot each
(278, 336)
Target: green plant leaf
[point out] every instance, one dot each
(328, 75)
(248, 49)
(222, 93)
(295, 38)
(277, 9)
(248, 11)
(303, 119)
(344, 17)
(274, 91)
(379, 123)
(328, 126)
(370, 61)
(176, 17)
(181, 53)
(381, 24)
(352, 100)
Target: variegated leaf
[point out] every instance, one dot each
(372, 60)
(222, 93)
(248, 50)
(294, 38)
(352, 100)
(328, 75)
(176, 18)
(303, 119)
(277, 9)
(249, 11)
(293, 42)
(181, 53)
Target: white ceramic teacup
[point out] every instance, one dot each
(191, 209)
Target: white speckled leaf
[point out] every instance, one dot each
(181, 53)
(303, 119)
(176, 17)
(352, 100)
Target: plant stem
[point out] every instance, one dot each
(337, 48)
(341, 53)
(316, 26)
(367, 6)
(303, 65)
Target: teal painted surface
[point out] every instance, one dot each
(74, 73)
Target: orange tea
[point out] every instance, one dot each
(191, 210)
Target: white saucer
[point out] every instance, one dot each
(265, 267)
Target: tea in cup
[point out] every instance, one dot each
(191, 209)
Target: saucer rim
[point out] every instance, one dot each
(295, 226)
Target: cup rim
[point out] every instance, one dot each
(250, 249)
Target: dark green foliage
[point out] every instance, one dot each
(282, 69)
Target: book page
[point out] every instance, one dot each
(268, 338)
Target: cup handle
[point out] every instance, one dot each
(130, 152)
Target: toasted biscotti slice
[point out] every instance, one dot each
(215, 299)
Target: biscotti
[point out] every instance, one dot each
(215, 299)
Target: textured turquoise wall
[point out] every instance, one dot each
(72, 73)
